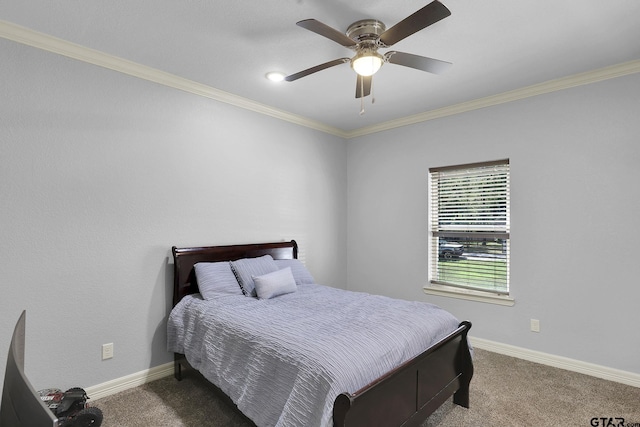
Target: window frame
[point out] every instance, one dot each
(475, 293)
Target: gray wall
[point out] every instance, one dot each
(575, 204)
(101, 173)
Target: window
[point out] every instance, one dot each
(469, 228)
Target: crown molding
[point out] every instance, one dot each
(52, 44)
(58, 46)
(585, 78)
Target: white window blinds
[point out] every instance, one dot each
(469, 225)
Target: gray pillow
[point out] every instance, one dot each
(299, 271)
(246, 268)
(216, 279)
(271, 285)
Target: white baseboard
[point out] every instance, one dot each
(598, 371)
(124, 383)
(130, 381)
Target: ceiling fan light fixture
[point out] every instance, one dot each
(367, 62)
(366, 36)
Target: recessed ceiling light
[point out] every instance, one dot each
(275, 76)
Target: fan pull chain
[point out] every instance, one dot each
(361, 96)
(373, 98)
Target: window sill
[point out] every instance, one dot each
(466, 294)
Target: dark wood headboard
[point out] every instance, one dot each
(184, 281)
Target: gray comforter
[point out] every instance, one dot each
(284, 360)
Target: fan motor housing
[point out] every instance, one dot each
(365, 29)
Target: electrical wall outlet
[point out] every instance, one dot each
(107, 351)
(535, 325)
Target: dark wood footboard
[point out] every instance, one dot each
(410, 393)
(407, 395)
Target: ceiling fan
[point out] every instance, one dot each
(368, 35)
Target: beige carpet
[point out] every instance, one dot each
(504, 392)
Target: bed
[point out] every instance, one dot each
(392, 394)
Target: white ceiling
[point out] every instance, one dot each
(495, 46)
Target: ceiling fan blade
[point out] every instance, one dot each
(363, 86)
(326, 31)
(428, 15)
(315, 69)
(418, 62)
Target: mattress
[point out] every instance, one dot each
(284, 360)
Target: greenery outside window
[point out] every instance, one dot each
(469, 227)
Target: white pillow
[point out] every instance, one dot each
(273, 284)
